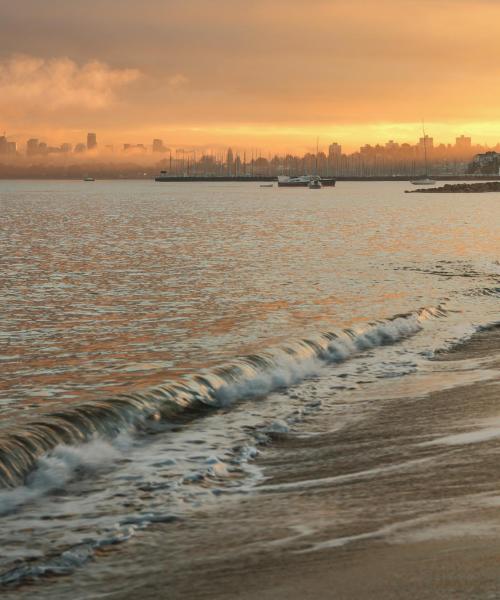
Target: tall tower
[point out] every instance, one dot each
(91, 141)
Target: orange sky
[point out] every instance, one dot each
(260, 74)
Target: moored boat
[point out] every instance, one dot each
(315, 184)
(423, 181)
(303, 181)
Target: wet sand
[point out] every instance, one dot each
(404, 503)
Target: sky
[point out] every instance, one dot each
(271, 74)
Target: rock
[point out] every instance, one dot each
(461, 188)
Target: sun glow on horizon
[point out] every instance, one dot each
(196, 76)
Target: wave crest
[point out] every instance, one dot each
(249, 376)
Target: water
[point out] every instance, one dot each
(126, 304)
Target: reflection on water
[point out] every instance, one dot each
(130, 283)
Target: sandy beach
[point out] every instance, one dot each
(405, 504)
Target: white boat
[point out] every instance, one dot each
(286, 181)
(88, 179)
(303, 181)
(314, 184)
(423, 181)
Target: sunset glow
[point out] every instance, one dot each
(250, 74)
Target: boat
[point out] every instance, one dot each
(286, 181)
(303, 181)
(315, 183)
(88, 179)
(267, 185)
(424, 179)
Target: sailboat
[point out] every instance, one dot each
(424, 179)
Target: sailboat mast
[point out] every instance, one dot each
(317, 150)
(425, 149)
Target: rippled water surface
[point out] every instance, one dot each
(111, 288)
(118, 285)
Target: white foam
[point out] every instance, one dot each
(468, 437)
(339, 479)
(294, 363)
(57, 468)
(381, 533)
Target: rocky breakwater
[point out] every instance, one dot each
(464, 188)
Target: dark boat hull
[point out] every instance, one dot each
(324, 183)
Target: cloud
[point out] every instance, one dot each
(35, 84)
(234, 65)
(177, 81)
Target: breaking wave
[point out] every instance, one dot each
(22, 447)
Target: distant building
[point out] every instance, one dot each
(91, 141)
(158, 146)
(32, 147)
(463, 144)
(7, 147)
(428, 142)
(334, 150)
(80, 148)
(134, 148)
(66, 148)
(485, 164)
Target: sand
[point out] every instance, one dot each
(402, 504)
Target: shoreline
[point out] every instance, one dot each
(242, 179)
(432, 553)
(389, 506)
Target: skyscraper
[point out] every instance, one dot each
(463, 144)
(335, 149)
(427, 143)
(32, 147)
(91, 141)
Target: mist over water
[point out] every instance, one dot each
(126, 304)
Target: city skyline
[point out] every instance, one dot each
(463, 145)
(390, 159)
